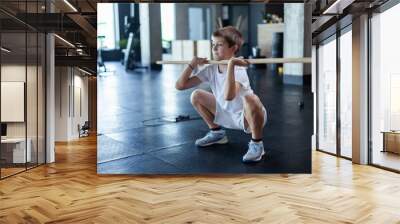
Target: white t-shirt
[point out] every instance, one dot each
(228, 113)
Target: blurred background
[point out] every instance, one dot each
(138, 35)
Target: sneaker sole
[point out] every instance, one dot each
(255, 160)
(224, 140)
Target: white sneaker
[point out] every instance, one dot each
(255, 152)
(211, 138)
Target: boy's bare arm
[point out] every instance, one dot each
(231, 86)
(185, 81)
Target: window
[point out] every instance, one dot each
(385, 88)
(107, 29)
(168, 21)
(327, 96)
(346, 94)
(22, 77)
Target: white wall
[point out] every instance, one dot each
(61, 103)
(16, 72)
(80, 110)
(71, 94)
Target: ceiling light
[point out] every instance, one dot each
(64, 40)
(84, 71)
(5, 50)
(70, 5)
(333, 6)
(337, 7)
(79, 51)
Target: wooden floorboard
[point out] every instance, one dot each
(70, 191)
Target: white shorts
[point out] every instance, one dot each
(234, 121)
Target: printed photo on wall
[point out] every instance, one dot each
(195, 88)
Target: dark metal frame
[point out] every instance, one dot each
(338, 98)
(369, 114)
(316, 97)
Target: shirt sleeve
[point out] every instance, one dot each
(241, 77)
(203, 73)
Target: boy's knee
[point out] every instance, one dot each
(195, 96)
(253, 102)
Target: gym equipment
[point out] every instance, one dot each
(132, 56)
(84, 129)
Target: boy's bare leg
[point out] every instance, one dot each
(254, 115)
(205, 104)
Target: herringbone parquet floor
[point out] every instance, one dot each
(70, 191)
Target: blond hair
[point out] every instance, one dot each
(231, 35)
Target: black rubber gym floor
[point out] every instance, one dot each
(137, 134)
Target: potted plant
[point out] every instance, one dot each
(266, 17)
